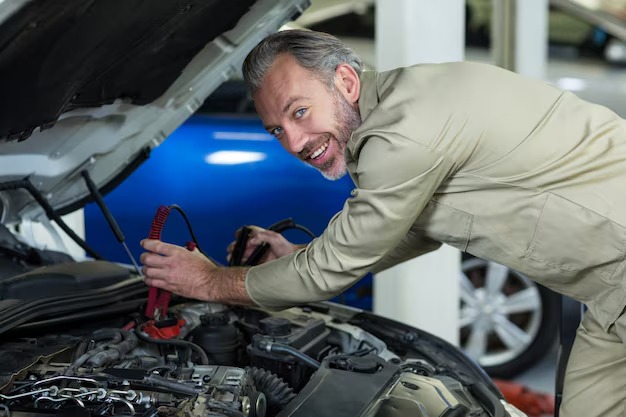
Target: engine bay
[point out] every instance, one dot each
(209, 359)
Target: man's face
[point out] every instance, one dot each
(311, 122)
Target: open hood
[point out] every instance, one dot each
(94, 85)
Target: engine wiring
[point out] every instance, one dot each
(141, 334)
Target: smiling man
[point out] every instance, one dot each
(503, 167)
(284, 99)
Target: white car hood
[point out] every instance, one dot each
(95, 85)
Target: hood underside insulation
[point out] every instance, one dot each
(59, 55)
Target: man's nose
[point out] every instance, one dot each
(295, 140)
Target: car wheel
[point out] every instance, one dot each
(507, 322)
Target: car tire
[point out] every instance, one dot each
(507, 322)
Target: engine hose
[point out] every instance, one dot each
(114, 351)
(114, 336)
(178, 387)
(277, 392)
(71, 370)
(80, 350)
(280, 348)
(204, 359)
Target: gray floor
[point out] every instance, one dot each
(541, 377)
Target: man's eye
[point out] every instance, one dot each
(299, 113)
(277, 131)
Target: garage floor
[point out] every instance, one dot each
(541, 377)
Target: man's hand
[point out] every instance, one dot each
(190, 274)
(278, 245)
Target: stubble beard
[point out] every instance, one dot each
(347, 120)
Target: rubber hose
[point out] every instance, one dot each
(302, 357)
(114, 335)
(115, 351)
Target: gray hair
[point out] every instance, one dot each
(317, 51)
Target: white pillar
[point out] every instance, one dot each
(422, 292)
(520, 36)
(532, 38)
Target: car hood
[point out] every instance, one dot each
(93, 86)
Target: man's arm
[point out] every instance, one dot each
(396, 177)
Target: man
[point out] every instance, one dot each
(494, 164)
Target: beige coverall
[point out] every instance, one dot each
(506, 168)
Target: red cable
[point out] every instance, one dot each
(158, 300)
(158, 222)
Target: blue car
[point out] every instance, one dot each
(225, 171)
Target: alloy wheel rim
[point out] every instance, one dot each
(500, 312)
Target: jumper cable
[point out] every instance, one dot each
(158, 299)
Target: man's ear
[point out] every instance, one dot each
(347, 82)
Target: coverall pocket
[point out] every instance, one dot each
(446, 224)
(574, 239)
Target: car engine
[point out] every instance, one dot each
(65, 356)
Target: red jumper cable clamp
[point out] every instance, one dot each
(164, 329)
(158, 299)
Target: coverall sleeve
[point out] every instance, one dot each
(411, 246)
(396, 178)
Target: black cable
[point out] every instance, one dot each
(188, 223)
(280, 348)
(282, 225)
(173, 342)
(50, 212)
(257, 254)
(172, 385)
(362, 352)
(191, 232)
(279, 227)
(305, 230)
(240, 247)
(287, 224)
